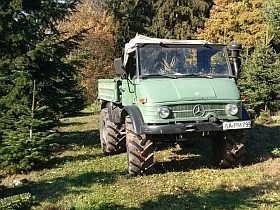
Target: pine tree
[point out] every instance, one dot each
(33, 66)
(260, 79)
(179, 19)
(32, 43)
(164, 19)
(271, 14)
(130, 17)
(24, 141)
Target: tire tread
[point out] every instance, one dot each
(229, 148)
(140, 152)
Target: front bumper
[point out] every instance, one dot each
(180, 128)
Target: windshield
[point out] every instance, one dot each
(182, 60)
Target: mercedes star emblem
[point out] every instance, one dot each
(198, 110)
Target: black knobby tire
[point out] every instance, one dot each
(140, 151)
(229, 148)
(112, 136)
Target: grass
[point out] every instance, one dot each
(79, 176)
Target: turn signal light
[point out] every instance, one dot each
(243, 98)
(142, 100)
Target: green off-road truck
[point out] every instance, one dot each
(173, 90)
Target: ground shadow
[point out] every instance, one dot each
(261, 141)
(245, 197)
(80, 114)
(58, 161)
(180, 165)
(221, 198)
(66, 124)
(196, 155)
(82, 139)
(61, 186)
(73, 141)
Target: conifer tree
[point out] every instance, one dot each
(272, 18)
(260, 79)
(130, 17)
(32, 43)
(164, 19)
(179, 19)
(33, 66)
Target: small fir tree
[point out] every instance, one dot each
(260, 79)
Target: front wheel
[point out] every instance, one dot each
(140, 151)
(229, 148)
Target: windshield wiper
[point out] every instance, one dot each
(206, 45)
(163, 45)
(159, 75)
(197, 75)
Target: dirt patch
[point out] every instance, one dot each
(273, 169)
(18, 179)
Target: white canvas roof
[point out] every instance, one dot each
(141, 39)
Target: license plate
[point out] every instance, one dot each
(236, 125)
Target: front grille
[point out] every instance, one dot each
(186, 110)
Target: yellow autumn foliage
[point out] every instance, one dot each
(235, 20)
(98, 43)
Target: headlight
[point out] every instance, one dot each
(231, 109)
(163, 112)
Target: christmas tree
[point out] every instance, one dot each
(34, 66)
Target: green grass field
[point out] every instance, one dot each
(79, 176)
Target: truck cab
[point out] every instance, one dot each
(175, 89)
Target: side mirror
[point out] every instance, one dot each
(235, 49)
(119, 66)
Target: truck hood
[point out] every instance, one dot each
(184, 89)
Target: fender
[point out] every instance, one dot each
(136, 118)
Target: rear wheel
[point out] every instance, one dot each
(112, 136)
(140, 151)
(229, 148)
